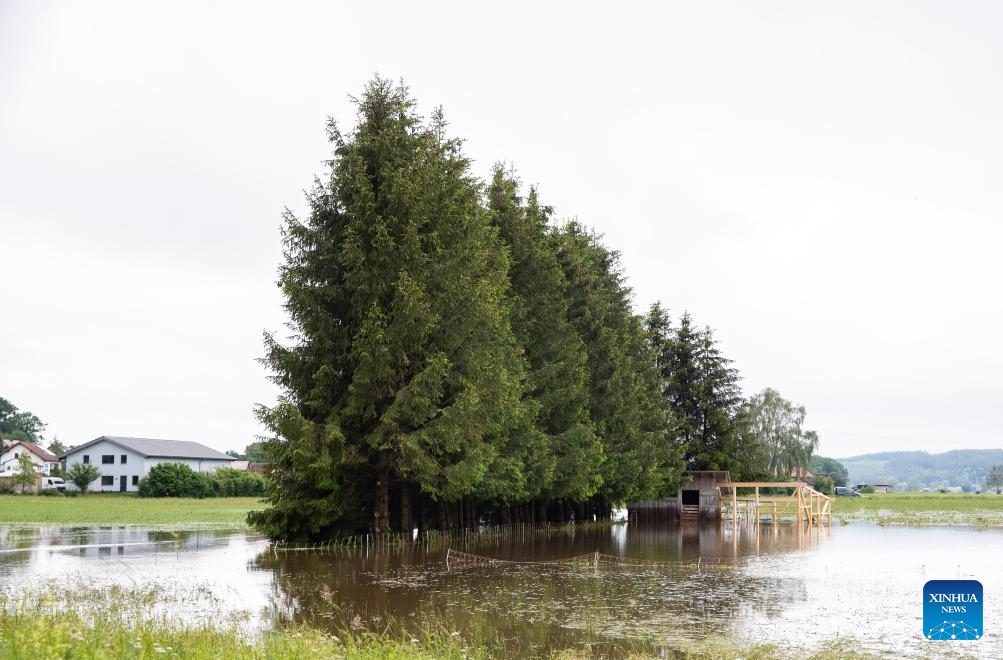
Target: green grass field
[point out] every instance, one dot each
(112, 509)
(102, 509)
(985, 509)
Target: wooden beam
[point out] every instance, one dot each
(763, 484)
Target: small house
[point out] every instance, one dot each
(124, 461)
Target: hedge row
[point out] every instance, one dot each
(179, 480)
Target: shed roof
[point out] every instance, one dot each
(153, 448)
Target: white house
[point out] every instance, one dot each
(44, 461)
(124, 461)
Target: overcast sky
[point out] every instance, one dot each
(818, 182)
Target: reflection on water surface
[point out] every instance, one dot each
(779, 584)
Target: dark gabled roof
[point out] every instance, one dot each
(151, 448)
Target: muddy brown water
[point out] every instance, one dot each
(798, 589)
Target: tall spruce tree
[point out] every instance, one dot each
(402, 375)
(624, 398)
(701, 390)
(568, 467)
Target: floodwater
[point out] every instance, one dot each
(649, 587)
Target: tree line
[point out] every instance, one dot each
(457, 355)
(18, 424)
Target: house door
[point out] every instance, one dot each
(122, 483)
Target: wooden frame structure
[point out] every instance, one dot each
(713, 496)
(799, 502)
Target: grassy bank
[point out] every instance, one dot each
(985, 509)
(113, 509)
(67, 636)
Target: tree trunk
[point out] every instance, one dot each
(541, 512)
(381, 499)
(422, 514)
(407, 519)
(443, 516)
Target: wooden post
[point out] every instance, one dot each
(800, 505)
(734, 506)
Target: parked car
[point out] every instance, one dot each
(48, 483)
(846, 491)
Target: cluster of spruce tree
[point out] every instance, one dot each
(456, 355)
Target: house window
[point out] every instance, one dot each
(87, 459)
(124, 458)
(108, 481)
(108, 458)
(135, 480)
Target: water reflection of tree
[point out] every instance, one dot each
(174, 538)
(20, 537)
(538, 606)
(77, 535)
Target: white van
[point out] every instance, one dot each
(49, 483)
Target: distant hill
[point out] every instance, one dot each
(915, 470)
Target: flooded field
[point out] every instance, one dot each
(798, 589)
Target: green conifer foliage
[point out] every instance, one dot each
(701, 390)
(566, 464)
(624, 399)
(403, 373)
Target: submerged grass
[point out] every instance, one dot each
(117, 622)
(100, 623)
(114, 509)
(984, 510)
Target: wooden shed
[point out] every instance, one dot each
(698, 499)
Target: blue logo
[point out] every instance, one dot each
(952, 610)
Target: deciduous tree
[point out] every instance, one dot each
(778, 426)
(995, 478)
(26, 474)
(19, 424)
(821, 465)
(82, 475)
(57, 447)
